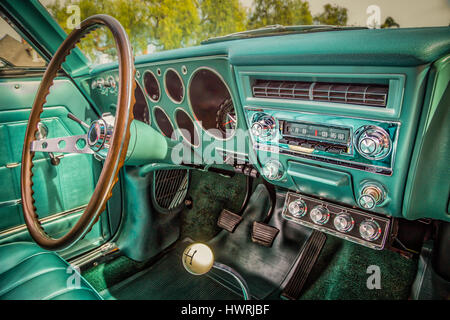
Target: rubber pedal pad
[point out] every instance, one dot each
(228, 220)
(304, 265)
(263, 234)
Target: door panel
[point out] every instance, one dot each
(58, 189)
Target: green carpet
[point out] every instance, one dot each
(341, 273)
(211, 192)
(109, 273)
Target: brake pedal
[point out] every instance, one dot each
(263, 234)
(305, 262)
(228, 220)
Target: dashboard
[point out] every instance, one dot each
(341, 129)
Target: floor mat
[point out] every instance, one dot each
(167, 280)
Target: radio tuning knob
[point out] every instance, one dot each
(298, 208)
(373, 142)
(319, 215)
(263, 126)
(371, 196)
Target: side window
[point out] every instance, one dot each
(15, 51)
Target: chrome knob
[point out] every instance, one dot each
(273, 170)
(369, 230)
(371, 196)
(298, 208)
(343, 222)
(263, 126)
(372, 142)
(319, 215)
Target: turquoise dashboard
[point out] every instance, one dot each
(329, 115)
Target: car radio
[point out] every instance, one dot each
(331, 139)
(359, 143)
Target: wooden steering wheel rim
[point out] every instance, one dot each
(119, 140)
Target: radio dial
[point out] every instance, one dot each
(373, 142)
(264, 126)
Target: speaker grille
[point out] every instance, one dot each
(170, 187)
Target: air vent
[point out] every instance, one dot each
(349, 93)
(170, 187)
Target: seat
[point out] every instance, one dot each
(28, 272)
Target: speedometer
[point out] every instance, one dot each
(226, 118)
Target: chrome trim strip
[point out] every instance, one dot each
(45, 220)
(12, 165)
(10, 203)
(102, 251)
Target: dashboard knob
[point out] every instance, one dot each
(373, 142)
(263, 126)
(371, 196)
(369, 230)
(273, 170)
(343, 222)
(298, 208)
(319, 215)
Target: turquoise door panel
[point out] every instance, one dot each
(59, 190)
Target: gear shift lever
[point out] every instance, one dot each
(198, 259)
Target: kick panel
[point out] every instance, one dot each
(357, 226)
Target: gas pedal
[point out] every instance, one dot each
(228, 220)
(263, 234)
(305, 262)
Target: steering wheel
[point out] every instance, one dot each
(108, 137)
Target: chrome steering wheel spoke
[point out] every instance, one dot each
(96, 141)
(71, 144)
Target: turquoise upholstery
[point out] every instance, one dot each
(28, 272)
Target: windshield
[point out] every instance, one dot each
(156, 25)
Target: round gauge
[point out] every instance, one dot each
(140, 109)
(211, 103)
(226, 118)
(151, 85)
(163, 122)
(174, 86)
(186, 127)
